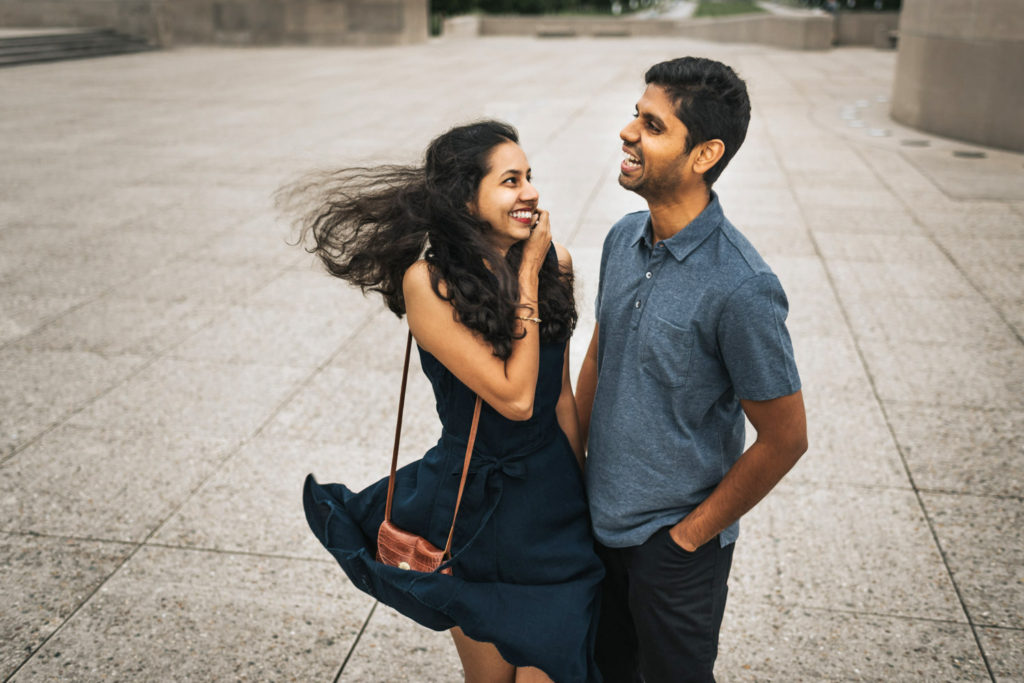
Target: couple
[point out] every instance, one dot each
(690, 338)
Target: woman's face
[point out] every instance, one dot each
(506, 199)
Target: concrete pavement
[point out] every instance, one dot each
(170, 368)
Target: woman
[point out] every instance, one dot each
(490, 304)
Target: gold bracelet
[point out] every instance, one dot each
(532, 320)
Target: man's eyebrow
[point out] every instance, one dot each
(651, 117)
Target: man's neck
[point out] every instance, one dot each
(673, 214)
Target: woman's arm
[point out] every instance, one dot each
(565, 411)
(586, 387)
(507, 386)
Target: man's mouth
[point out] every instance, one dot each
(630, 162)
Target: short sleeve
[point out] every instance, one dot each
(754, 341)
(605, 251)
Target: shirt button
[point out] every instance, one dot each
(661, 245)
(637, 304)
(647, 275)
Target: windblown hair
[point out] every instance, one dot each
(710, 100)
(368, 225)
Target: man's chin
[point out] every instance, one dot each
(631, 184)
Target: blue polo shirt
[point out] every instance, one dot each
(688, 327)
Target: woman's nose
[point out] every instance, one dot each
(529, 192)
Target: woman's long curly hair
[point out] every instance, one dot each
(368, 225)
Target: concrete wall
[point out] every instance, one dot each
(960, 70)
(793, 32)
(866, 28)
(234, 22)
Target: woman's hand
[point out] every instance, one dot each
(535, 249)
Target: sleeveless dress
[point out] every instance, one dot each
(525, 575)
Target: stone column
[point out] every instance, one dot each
(960, 70)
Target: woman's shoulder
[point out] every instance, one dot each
(563, 255)
(417, 279)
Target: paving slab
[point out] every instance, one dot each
(880, 557)
(44, 388)
(990, 571)
(96, 483)
(195, 397)
(794, 644)
(213, 616)
(265, 513)
(113, 326)
(866, 220)
(866, 279)
(924, 320)
(964, 450)
(45, 580)
(251, 334)
(952, 375)
(24, 313)
(1005, 651)
(409, 652)
(850, 443)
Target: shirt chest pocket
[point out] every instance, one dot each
(665, 351)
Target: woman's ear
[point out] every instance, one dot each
(708, 154)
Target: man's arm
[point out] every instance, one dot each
(781, 427)
(586, 386)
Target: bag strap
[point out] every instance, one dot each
(398, 436)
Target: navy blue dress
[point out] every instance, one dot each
(525, 574)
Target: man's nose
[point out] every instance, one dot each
(628, 133)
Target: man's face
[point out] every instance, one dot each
(656, 164)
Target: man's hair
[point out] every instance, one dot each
(710, 100)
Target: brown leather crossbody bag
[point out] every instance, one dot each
(403, 549)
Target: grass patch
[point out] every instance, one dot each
(722, 8)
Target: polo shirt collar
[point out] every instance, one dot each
(686, 240)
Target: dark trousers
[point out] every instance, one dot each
(661, 611)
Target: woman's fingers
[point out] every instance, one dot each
(537, 245)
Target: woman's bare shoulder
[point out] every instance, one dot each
(417, 279)
(564, 257)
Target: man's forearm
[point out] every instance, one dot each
(756, 473)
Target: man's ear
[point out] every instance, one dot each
(708, 154)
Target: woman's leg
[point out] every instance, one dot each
(481, 662)
(530, 674)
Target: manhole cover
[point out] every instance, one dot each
(968, 154)
(915, 143)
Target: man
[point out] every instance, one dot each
(690, 336)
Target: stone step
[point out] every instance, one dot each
(48, 47)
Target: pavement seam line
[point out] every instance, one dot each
(874, 390)
(355, 642)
